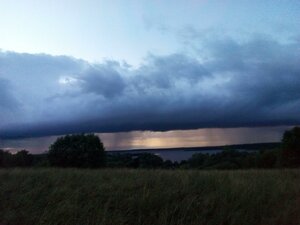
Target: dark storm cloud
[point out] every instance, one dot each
(227, 83)
(7, 102)
(164, 72)
(103, 80)
(265, 74)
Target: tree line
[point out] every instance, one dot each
(87, 151)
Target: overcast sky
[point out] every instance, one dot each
(142, 67)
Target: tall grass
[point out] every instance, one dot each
(149, 197)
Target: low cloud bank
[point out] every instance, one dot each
(228, 84)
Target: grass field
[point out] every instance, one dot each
(149, 197)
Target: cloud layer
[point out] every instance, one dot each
(224, 83)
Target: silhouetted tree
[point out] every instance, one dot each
(1, 157)
(7, 159)
(80, 150)
(20, 159)
(291, 148)
(23, 159)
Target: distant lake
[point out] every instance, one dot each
(173, 155)
(179, 154)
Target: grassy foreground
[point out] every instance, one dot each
(149, 197)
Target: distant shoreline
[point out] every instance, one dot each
(252, 146)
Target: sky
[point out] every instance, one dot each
(148, 73)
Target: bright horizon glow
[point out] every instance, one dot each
(169, 139)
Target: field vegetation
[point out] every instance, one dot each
(149, 197)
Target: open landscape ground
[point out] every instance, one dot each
(149, 197)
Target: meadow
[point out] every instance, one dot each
(149, 197)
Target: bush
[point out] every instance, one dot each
(267, 159)
(198, 160)
(147, 160)
(81, 150)
(117, 160)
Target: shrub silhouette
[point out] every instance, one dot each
(149, 161)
